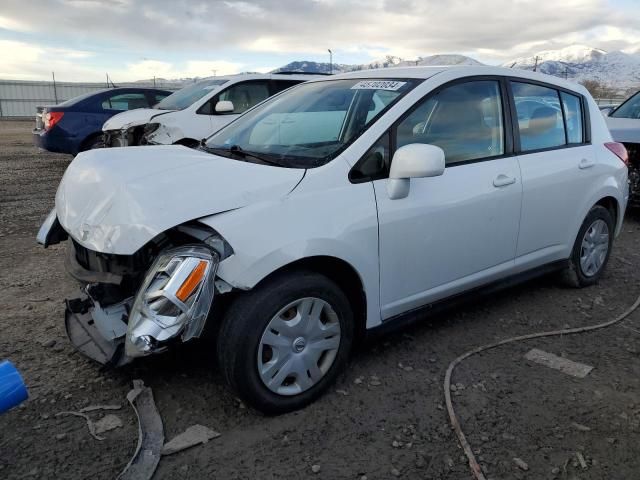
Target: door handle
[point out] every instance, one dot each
(503, 180)
(586, 163)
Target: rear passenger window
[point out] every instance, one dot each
(465, 120)
(126, 101)
(573, 117)
(540, 118)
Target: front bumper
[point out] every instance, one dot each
(96, 332)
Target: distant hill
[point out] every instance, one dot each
(389, 61)
(618, 70)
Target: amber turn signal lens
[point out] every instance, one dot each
(192, 281)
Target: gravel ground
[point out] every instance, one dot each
(384, 418)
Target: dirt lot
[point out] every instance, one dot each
(384, 417)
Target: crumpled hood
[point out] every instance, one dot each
(139, 116)
(624, 129)
(115, 200)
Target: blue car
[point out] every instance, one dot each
(76, 125)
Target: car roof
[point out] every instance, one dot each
(461, 71)
(266, 76)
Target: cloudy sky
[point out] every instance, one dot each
(136, 39)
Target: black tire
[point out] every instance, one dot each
(245, 321)
(92, 143)
(573, 275)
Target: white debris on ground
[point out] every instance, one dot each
(194, 435)
(575, 369)
(107, 423)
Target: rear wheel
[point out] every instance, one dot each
(282, 344)
(591, 249)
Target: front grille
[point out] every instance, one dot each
(131, 265)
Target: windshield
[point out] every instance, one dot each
(186, 96)
(629, 109)
(311, 123)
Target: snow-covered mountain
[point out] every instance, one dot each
(388, 61)
(617, 70)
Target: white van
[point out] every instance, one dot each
(196, 111)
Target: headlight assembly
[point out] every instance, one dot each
(174, 299)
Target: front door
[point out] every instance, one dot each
(459, 230)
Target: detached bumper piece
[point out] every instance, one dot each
(87, 338)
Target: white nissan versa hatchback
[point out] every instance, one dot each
(338, 206)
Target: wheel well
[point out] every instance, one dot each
(85, 143)
(610, 204)
(344, 275)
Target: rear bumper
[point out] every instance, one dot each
(53, 143)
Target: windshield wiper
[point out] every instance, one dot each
(239, 152)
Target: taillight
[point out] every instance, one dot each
(51, 118)
(620, 151)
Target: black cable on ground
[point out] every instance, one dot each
(455, 423)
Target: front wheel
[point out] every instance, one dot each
(591, 250)
(282, 344)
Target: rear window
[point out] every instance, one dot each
(572, 107)
(125, 101)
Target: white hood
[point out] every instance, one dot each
(139, 116)
(624, 129)
(115, 200)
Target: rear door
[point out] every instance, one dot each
(557, 163)
(459, 230)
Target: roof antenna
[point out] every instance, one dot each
(113, 85)
(513, 64)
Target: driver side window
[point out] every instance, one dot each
(465, 120)
(243, 95)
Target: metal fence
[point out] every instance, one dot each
(19, 98)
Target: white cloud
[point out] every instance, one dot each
(492, 30)
(194, 68)
(13, 24)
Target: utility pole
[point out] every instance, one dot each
(330, 60)
(214, 73)
(535, 67)
(55, 92)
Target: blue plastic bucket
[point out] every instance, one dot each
(12, 389)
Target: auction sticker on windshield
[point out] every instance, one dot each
(378, 85)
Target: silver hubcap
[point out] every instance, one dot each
(595, 245)
(298, 346)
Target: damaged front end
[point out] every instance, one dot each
(129, 136)
(137, 305)
(633, 149)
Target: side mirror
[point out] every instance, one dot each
(606, 111)
(416, 160)
(224, 106)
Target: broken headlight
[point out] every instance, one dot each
(174, 299)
